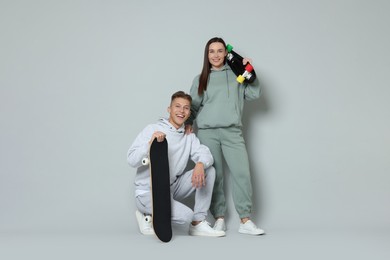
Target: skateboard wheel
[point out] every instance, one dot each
(148, 218)
(145, 161)
(249, 67)
(229, 48)
(240, 79)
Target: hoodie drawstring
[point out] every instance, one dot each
(227, 83)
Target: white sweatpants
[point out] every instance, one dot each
(181, 189)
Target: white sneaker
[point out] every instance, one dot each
(250, 228)
(144, 223)
(220, 225)
(204, 229)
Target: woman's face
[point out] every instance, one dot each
(217, 53)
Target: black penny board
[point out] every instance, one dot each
(161, 192)
(234, 60)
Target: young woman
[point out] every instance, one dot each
(217, 106)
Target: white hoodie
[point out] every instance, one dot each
(181, 148)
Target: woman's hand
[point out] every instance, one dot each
(188, 129)
(246, 60)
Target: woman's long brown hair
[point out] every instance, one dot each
(204, 75)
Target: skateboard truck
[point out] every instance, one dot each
(230, 55)
(247, 73)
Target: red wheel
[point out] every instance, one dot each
(249, 67)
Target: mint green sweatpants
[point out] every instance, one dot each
(228, 143)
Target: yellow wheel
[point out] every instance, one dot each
(240, 79)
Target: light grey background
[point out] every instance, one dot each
(80, 79)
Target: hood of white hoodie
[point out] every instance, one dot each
(164, 122)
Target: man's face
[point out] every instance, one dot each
(179, 111)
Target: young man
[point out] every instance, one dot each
(181, 148)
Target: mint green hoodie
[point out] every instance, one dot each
(221, 105)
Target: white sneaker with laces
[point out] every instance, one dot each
(250, 228)
(204, 229)
(144, 223)
(220, 224)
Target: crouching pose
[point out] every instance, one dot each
(181, 148)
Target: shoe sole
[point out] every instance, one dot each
(251, 233)
(207, 234)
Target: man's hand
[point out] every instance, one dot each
(160, 136)
(198, 177)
